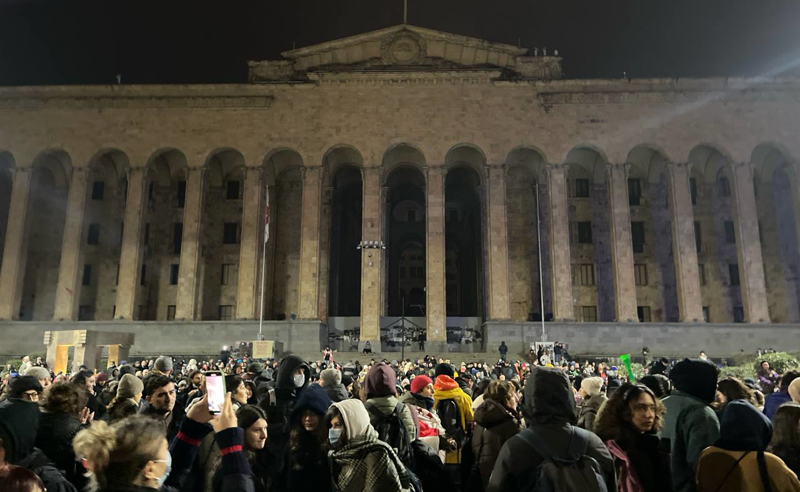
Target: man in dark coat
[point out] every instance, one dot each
(549, 411)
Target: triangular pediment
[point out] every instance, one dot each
(405, 48)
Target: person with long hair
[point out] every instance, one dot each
(360, 462)
(307, 457)
(126, 402)
(629, 424)
(496, 419)
(785, 442)
(767, 378)
(730, 389)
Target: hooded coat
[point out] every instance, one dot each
(307, 467)
(364, 463)
(331, 381)
(691, 425)
(549, 411)
(381, 388)
(54, 438)
(744, 433)
(494, 426)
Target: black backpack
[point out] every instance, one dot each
(449, 414)
(392, 431)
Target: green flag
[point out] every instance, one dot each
(626, 359)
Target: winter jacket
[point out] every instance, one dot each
(549, 411)
(307, 467)
(386, 405)
(331, 381)
(690, 424)
(775, 400)
(744, 433)
(642, 467)
(54, 438)
(445, 388)
(790, 456)
(587, 413)
(494, 426)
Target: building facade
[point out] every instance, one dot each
(410, 172)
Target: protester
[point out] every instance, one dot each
(331, 381)
(496, 421)
(307, 461)
(785, 442)
(26, 388)
(691, 424)
(794, 390)
(64, 412)
(730, 389)
(738, 461)
(659, 384)
(391, 419)
(360, 462)
(503, 349)
(18, 479)
(454, 408)
(629, 424)
(253, 421)
(126, 402)
(42, 374)
(593, 398)
(775, 400)
(767, 378)
(161, 394)
(550, 414)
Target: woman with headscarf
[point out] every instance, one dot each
(359, 461)
(738, 461)
(629, 425)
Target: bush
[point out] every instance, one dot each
(739, 372)
(638, 370)
(781, 362)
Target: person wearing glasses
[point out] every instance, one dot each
(26, 388)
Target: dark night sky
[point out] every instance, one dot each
(177, 41)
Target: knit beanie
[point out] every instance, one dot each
(444, 369)
(126, 369)
(21, 384)
(419, 383)
(592, 386)
(129, 386)
(164, 363)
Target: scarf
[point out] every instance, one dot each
(445, 389)
(352, 470)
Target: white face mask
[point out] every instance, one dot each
(299, 380)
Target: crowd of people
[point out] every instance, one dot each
(548, 423)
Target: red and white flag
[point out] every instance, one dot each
(266, 218)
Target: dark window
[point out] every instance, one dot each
(587, 274)
(644, 313)
(143, 278)
(738, 314)
(230, 233)
(116, 281)
(171, 312)
(229, 274)
(151, 191)
(181, 193)
(94, 234)
(225, 313)
(147, 234)
(634, 192)
(724, 187)
(87, 275)
(698, 236)
(584, 232)
(177, 237)
(233, 191)
(640, 274)
(730, 233)
(693, 190)
(705, 314)
(174, 270)
(412, 216)
(98, 190)
(733, 272)
(582, 188)
(452, 215)
(589, 313)
(637, 235)
(701, 272)
(85, 313)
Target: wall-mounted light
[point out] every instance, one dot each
(371, 245)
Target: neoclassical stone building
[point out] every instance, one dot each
(464, 183)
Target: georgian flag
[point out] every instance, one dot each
(266, 219)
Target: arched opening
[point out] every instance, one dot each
(221, 236)
(6, 184)
(651, 234)
(718, 265)
(286, 209)
(162, 236)
(463, 243)
(406, 240)
(101, 241)
(589, 230)
(345, 258)
(774, 183)
(47, 208)
(525, 169)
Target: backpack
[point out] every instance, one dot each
(573, 472)
(392, 431)
(449, 414)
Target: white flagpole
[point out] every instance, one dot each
(539, 246)
(264, 268)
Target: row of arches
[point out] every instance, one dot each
(404, 203)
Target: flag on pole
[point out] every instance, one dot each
(266, 218)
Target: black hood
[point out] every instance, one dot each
(286, 370)
(19, 422)
(744, 428)
(696, 377)
(548, 397)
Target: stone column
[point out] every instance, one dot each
(435, 258)
(186, 306)
(70, 267)
(371, 258)
(309, 244)
(621, 243)
(15, 251)
(560, 257)
(247, 305)
(497, 247)
(131, 255)
(684, 247)
(748, 246)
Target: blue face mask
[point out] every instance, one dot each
(163, 477)
(334, 435)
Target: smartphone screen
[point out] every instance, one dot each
(215, 385)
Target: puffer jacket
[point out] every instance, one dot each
(494, 426)
(588, 411)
